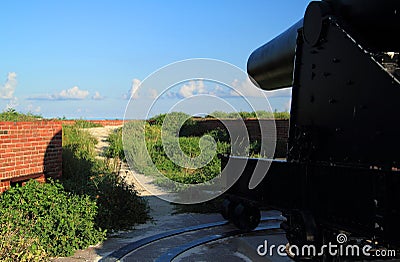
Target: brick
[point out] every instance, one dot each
(23, 148)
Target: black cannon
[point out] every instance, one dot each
(342, 170)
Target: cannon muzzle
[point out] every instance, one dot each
(373, 23)
(271, 65)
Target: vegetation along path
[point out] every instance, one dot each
(160, 210)
(158, 207)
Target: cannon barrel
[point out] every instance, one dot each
(271, 65)
(372, 23)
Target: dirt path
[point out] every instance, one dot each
(101, 134)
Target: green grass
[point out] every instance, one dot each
(13, 116)
(186, 149)
(79, 141)
(180, 173)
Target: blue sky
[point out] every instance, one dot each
(80, 59)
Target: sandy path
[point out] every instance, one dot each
(158, 207)
(101, 134)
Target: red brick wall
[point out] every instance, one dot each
(29, 150)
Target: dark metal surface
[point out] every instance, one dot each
(271, 65)
(373, 23)
(313, 26)
(343, 162)
(343, 105)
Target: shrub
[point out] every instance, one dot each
(119, 206)
(282, 115)
(16, 242)
(157, 120)
(176, 123)
(50, 218)
(174, 120)
(115, 149)
(220, 135)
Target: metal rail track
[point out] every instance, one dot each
(174, 252)
(170, 254)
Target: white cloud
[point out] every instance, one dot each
(245, 88)
(133, 91)
(7, 90)
(97, 96)
(192, 88)
(73, 93)
(198, 87)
